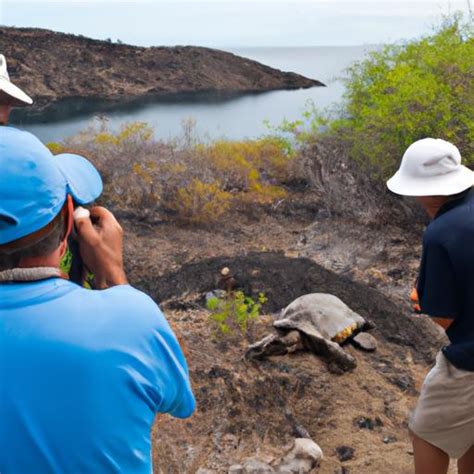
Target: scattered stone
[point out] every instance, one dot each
(365, 341)
(307, 449)
(365, 423)
(304, 456)
(299, 431)
(255, 466)
(229, 442)
(389, 439)
(210, 295)
(404, 382)
(202, 470)
(345, 453)
(236, 469)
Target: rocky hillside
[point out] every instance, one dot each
(52, 66)
(250, 412)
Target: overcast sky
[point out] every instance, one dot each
(227, 23)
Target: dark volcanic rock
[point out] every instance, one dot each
(54, 66)
(345, 453)
(368, 423)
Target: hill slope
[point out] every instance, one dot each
(51, 66)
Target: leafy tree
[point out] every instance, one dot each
(402, 93)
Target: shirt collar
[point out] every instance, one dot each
(455, 203)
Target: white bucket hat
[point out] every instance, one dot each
(431, 167)
(9, 93)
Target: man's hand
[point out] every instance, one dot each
(100, 240)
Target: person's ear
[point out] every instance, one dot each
(4, 113)
(69, 221)
(69, 216)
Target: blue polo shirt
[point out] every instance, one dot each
(446, 280)
(82, 375)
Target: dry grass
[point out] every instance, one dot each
(185, 179)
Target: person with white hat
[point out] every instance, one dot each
(10, 94)
(442, 424)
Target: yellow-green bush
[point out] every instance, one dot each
(194, 182)
(200, 203)
(55, 148)
(131, 132)
(237, 159)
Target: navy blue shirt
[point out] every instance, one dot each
(446, 280)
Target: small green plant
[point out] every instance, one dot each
(234, 311)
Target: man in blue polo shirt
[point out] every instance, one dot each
(442, 425)
(82, 372)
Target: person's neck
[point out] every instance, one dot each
(4, 113)
(52, 261)
(432, 204)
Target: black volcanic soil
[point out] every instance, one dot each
(283, 279)
(54, 66)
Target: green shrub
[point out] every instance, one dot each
(234, 311)
(402, 93)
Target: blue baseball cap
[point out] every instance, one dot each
(34, 183)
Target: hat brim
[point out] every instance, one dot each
(13, 95)
(443, 185)
(83, 180)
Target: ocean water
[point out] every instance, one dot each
(238, 117)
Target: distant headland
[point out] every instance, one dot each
(53, 67)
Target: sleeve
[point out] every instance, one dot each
(160, 373)
(436, 282)
(171, 371)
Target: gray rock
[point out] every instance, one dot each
(365, 341)
(255, 466)
(236, 469)
(220, 294)
(304, 456)
(229, 442)
(305, 448)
